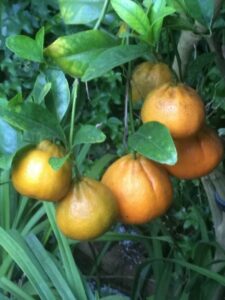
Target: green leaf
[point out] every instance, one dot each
(83, 152)
(113, 57)
(58, 98)
(57, 163)
(163, 284)
(88, 134)
(39, 38)
(113, 236)
(16, 100)
(133, 14)
(99, 165)
(16, 247)
(115, 297)
(72, 273)
(178, 5)
(13, 289)
(80, 11)
(202, 271)
(50, 268)
(158, 12)
(26, 47)
(201, 10)
(9, 137)
(6, 161)
(73, 53)
(154, 141)
(40, 90)
(34, 119)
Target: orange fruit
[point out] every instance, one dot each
(142, 188)
(32, 175)
(197, 155)
(87, 211)
(178, 107)
(148, 76)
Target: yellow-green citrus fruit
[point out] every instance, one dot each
(33, 176)
(87, 211)
(148, 76)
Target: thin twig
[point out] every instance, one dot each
(126, 102)
(102, 15)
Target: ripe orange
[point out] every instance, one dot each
(148, 76)
(142, 188)
(87, 211)
(32, 175)
(197, 155)
(178, 107)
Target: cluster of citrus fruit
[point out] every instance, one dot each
(133, 189)
(142, 187)
(85, 209)
(181, 110)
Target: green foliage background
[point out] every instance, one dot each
(173, 257)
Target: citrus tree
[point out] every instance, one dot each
(111, 153)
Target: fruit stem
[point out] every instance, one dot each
(103, 12)
(77, 173)
(74, 100)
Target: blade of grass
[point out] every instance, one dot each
(5, 200)
(200, 270)
(157, 251)
(16, 247)
(113, 236)
(50, 268)
(139, 281)
(12, 288)
(33, 220)
(2, 297)
(162, 287)
(23, 202)
(72, 273)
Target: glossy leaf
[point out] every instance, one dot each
(34, 119)
(57, 163)
(178, 5)
(26, 47)
(158, 12)
(80, 11)
(88, 134)
(40, 90)
(9, 137)
(113, 57)
(133, 14)
(73, 53)
(58, 98)
(154, 141)
(201, 10)
(39, 38)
